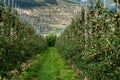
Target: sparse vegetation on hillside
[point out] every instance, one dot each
(46, 18)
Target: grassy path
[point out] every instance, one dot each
(49, 66)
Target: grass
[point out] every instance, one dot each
(49, 66)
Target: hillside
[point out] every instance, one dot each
(51, 18)
(48, 15)
(34, 3)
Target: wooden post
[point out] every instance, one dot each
(2, 30)
(8, 2)
(4, 3)
(12, 5)
(86, 22)
(20, 12)
(18, 9)
(15, 5)
(104, 3)
(117, 6)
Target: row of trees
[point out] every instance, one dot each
(18, 42)
(92, 43)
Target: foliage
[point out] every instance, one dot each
(18, 42)
(51, 39)
(92, 43)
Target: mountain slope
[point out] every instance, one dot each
(34, 3)
(45, 16)
(50, 18)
